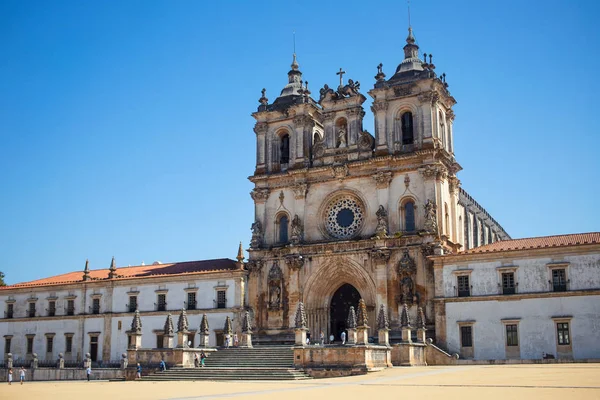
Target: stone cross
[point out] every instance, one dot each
(341, 74)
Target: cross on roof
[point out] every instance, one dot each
(341, 74)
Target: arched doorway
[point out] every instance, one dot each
(342, 299)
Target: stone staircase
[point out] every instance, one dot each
(258, 363)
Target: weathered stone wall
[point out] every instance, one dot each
(54, 374)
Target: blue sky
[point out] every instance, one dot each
(125, 126)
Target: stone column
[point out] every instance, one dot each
(246, 331)
(182, 330)
(405, 325)
(381, 144)
(204, 331)
(136, 341)
(168, 341)
(136, 331)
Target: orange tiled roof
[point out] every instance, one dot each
(140, 271)
(538, 243)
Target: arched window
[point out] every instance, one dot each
(283, 229)
(284, 149)
(407, 128)
(409, 216)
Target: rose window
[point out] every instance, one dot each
(343, 217)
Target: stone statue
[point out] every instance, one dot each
(324, 92)
(318, 149)
(431, 225)
(256, 235)
(341, 137)
(381, 231)
(407, 288)
(366, 141)
(349, 90)
(296, 230)
(274, 296)
(274, 286)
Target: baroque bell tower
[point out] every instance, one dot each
(341, 214)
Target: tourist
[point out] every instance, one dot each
(88, 371)
(22, 374)
(163, 366)
(236, 341)
(202, 357)
(139, 371)
(307, 340)
(343, 337)
(331, 338)
(196, 360)
(322, 338)
(10, 376)
(227, 338)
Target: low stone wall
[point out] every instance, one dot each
(180, 357)
(66, 374)
(436, 356)
(536, 361)
(408, 354)
(333, 361)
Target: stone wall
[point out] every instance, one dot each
(55, 374)
(332, 361)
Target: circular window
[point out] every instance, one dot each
(343, 217)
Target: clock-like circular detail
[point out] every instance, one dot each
(343, 217)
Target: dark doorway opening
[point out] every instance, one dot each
(94, 348)
(345, 297)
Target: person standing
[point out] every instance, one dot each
(343, 337)
(227, 339)
(322, 338)
(196, 360)
(22, 374)
(163, 366)
(88, 372)
(139, 371)
(202, 357)
(10, 376)
(236, 340)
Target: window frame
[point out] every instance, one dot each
(507, 269)
(49, 343)
(7, 343)
(404, 221)
(563, 327)
(407, 131)
(29, 344)
(31, 309)
(10, 310)
(161, 301)
(193, 304)
(464, 292)
(68, 343)
(279, 231)
(462, 329)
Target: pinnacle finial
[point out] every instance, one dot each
(404, 318)
(382, 319)
(411, 38)
(351, 321)
(227, 328)
(136, 324)
(182, 322)
(295, 65)
(112, 271)
(168, 328)
(300, 316)
(361, 318)
(204, 325)
(240, 255)
(86, 270)
(420, 318)
(246, 327)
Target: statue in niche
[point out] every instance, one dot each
(318, 149)
(341, 137)
(431, 217)
(366, 141)
(296, 230)
(407, 268)
(275, 284)
(381, 230)
(256, 240)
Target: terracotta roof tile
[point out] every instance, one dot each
(538, 243)
(140, 271)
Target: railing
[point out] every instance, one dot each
(190, 305)
(106, 364)
(8, 314)
(47, 363)
(160, 306)
(73, 364)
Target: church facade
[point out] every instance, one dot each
(343, 214)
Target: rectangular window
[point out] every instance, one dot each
(562, 329)
(508, 283)
(191, 340)
(7, 343)
(51, 308)
(466, 336)
(512, 336)
(49, 344)
(464, 290)
(95, 306)
(132, 303)
(191, 301)
(70, 307)
(29, 344)
(559, 281)
(31, 311)
(162, 302)
(221, 300)
(68, 344)
(10, 310)
(159, 341)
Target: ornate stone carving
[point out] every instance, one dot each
(318, 149)
(366, 141)
(404, 318)
(351, 321)
(340, 171)
(402, 91)
(255, 266)
(431, 225)
(362, 317)
(354, 112)
(330, 115)
(344, 217)
(246, 326)
(453, 184)
(261, 127)
(204, 328)
(294, 261)
(182, 322)
(379, 106)
(257, 233)
(260, 195)
(297, 230)
(450, 115)
(382, 179)
(382, 319)
(381, 255)
(169, 329)
(300, 319)
(341, 137)
(275, 285)
(136, 324)
(300, 190)
(381, 231)
(281, 197)
(420, 318)
(227, 330)
(407, 269)
(427, 250)
(407, 181)
(434, 171)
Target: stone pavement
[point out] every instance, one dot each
(580, 381)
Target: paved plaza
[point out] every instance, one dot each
(575, 381)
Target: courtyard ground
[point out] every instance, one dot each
(573, 381)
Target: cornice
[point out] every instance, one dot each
(519, 296)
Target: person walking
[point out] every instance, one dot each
(163, 366)
(227, 339)
(139, 371)
(202, 357)
(10, 376)
(196, 362)
(88, 372)
(322, 338)
(22, 375)
(236, 340)
(343, 337)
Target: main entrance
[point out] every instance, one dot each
(345, 297)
